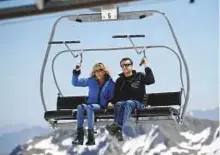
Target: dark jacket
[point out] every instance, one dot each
(132, 88)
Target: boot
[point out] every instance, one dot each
(91, 139)
(119, 135)
(79, 138)
(112, 129)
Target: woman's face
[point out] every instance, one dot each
(99, 73)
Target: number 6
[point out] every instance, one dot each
(109, 15)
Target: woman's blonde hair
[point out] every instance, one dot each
(99, 66)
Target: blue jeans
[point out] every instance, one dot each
(90, 108)
(123, 109)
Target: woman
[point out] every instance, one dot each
(101, 90)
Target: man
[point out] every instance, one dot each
(129, 94)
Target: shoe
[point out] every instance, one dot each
(119, 135)
(79, 138)
(91, 139)
(112, 129)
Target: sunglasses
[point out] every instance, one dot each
(98, 70)
(125, 65)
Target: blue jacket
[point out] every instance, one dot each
(96, 94)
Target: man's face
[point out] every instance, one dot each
(126, 66)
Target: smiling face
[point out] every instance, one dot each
(99, 71)
(127, 66)
(100, 74)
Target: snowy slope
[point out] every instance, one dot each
(12, 138)
(195, 136)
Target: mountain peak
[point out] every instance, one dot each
(195, 136)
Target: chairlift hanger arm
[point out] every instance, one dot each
(129, 37)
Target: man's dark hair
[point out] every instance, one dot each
(124, 59)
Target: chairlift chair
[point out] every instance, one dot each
(162, 107)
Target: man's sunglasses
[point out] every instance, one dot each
(125, 65)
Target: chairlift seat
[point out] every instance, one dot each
(156, 104)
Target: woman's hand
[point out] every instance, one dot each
(78, 68)
(110, 105)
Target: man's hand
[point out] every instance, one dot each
(144, 62)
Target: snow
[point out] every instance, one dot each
(103, 150)
(56, 152)
(212, 147)
(44, 144)
(30, 141)
(149, 139)
(187, 146)
(143, 141)
(173, 150)
(140, 144)
(199, 137)
(132, 145)
(49, 147)
(79, 149)
(193, 142)
(67, 142)
(29, 147)
(157, 150)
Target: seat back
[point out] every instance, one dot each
(70, 102)
(163, 99)
(153, 99)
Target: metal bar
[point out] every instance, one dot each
(129, 36)
(96, 17)
(184, 63)
(134, 45)
(72, 42)
(163, 120)
(53, 7)
(64, 42)
(75, 56)
(45, 63)
(55, 42)
(115, 49)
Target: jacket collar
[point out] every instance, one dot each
(121, 75)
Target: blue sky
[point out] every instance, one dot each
(23, 45)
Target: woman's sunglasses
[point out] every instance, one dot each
(98, 70)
